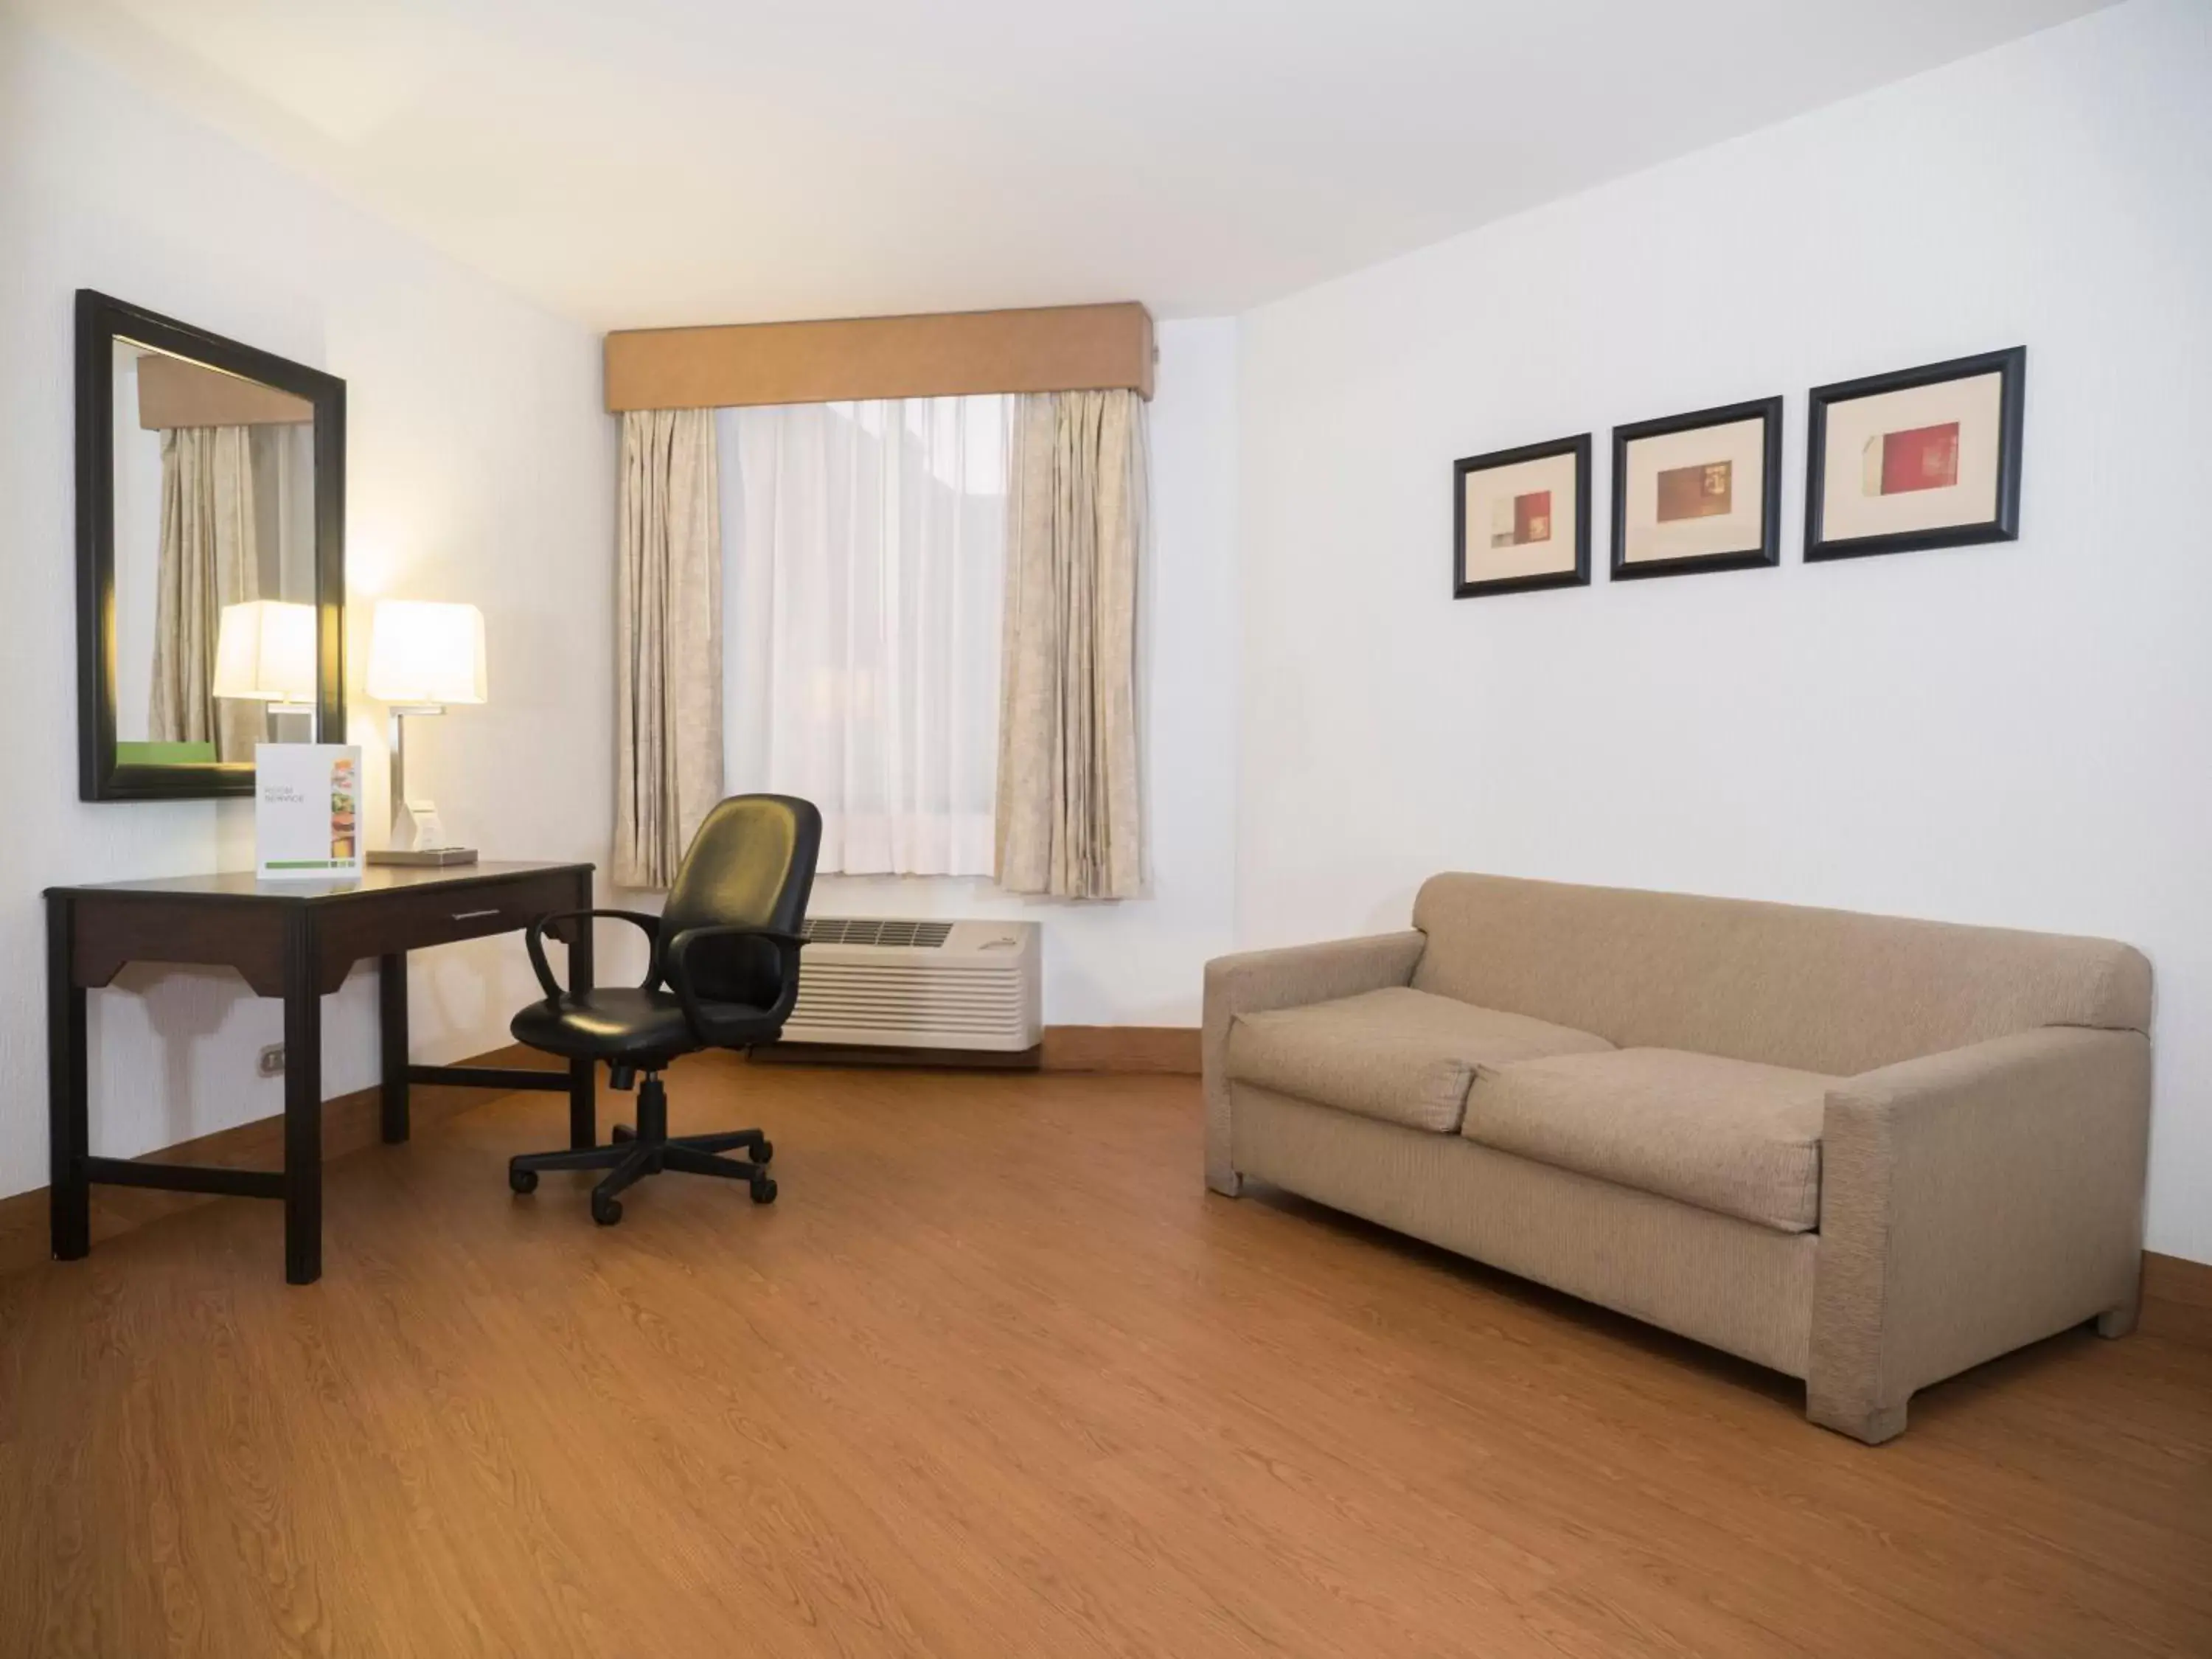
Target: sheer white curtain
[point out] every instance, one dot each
(864, 568)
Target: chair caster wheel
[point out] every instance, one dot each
(523, 1181)
(763, 1189)
(605, 1211)
(762, 1153)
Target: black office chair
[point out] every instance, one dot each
(724, 974)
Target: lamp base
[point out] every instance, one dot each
(425, 855)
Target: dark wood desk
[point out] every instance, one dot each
(296, 940)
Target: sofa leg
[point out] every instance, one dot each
(1227, 1182)
(1871, 1425)
(2119, 1321)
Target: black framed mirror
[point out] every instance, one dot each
(211, 529)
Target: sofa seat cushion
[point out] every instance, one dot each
(1401, 1055)
(1727, 1135)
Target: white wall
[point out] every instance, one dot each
(2017, 735)
(1139, 962)
(481, 469)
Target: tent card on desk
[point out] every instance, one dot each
(307, 812)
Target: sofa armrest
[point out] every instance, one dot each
(1972, 1201)
(1289, 978)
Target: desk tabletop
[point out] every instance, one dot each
(243, 885)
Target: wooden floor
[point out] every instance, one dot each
(996, 1377)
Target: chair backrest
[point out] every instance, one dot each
(751, 865)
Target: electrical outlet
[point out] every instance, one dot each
(272, 1060)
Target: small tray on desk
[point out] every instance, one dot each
(431, 857)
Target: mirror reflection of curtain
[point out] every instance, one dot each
(208, 558)
(284, 509)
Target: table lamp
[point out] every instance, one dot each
(265, 650)
(422, 656)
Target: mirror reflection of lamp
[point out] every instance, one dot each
(265, 650)
(421, 657)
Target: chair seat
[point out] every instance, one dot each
(624, 1022)
(609, 1024)
(1726, 1135)
(1401, 1055)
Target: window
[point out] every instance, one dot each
(864, 551)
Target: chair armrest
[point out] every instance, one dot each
(534, 941)
(1289, 978)
(788, 946)
(1972, 1201)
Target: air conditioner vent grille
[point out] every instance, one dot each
(868, 930)
(960, 984)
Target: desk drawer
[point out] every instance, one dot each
(442, 915)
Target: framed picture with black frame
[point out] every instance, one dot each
(1520, 519)
(1701, 491)
(1920, 458)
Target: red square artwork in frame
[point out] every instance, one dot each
(1919, 457)
(1520, 519)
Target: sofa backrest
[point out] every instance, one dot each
(1830, 991)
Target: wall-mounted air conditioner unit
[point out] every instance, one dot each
(867, 982)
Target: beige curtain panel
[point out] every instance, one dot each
(1067, 818)
(208, 559)
(668, 609)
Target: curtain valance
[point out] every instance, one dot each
(857, 359)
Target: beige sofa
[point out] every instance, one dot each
(1865, 1151)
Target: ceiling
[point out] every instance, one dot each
(643, 162)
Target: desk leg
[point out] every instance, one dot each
(303, 1101)
(583, 1075)
(70, 1198)
(392, 1031)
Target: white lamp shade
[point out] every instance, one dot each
(422, 652)
(264, 649)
